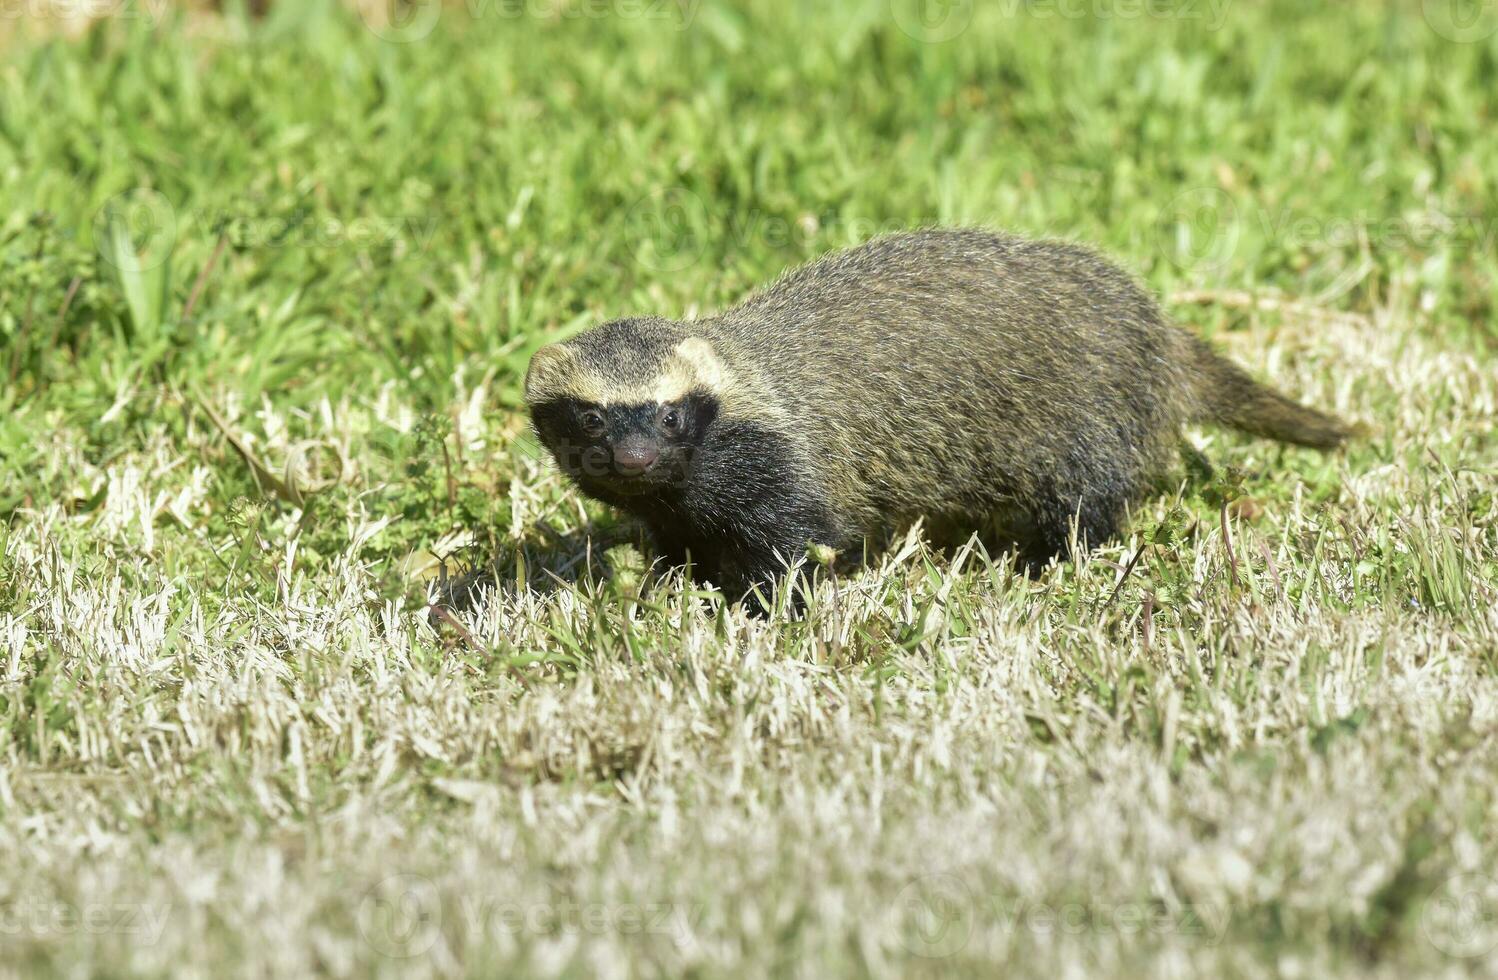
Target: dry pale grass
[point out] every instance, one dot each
(1267, 749)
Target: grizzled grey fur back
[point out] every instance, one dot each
(956, 376)
(969, 369)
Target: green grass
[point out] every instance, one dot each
(267, 292)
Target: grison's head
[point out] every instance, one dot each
(625, 406)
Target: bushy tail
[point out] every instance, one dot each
(1227, 395)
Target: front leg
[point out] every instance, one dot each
(772, 539)
(671, 547)
(737, 561)
(749, 576)
(748, 508)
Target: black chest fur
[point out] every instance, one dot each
(741, 510)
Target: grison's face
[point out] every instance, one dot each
(625, 449)
(625, 408)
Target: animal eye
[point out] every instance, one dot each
(592, 421)
(670, 419)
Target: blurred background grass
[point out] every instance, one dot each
(399, 200)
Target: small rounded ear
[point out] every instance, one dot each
(547, 365)
(707, 366)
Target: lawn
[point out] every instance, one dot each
(311, 663)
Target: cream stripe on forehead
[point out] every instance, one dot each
(557, 374)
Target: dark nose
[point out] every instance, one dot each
(632, 457)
